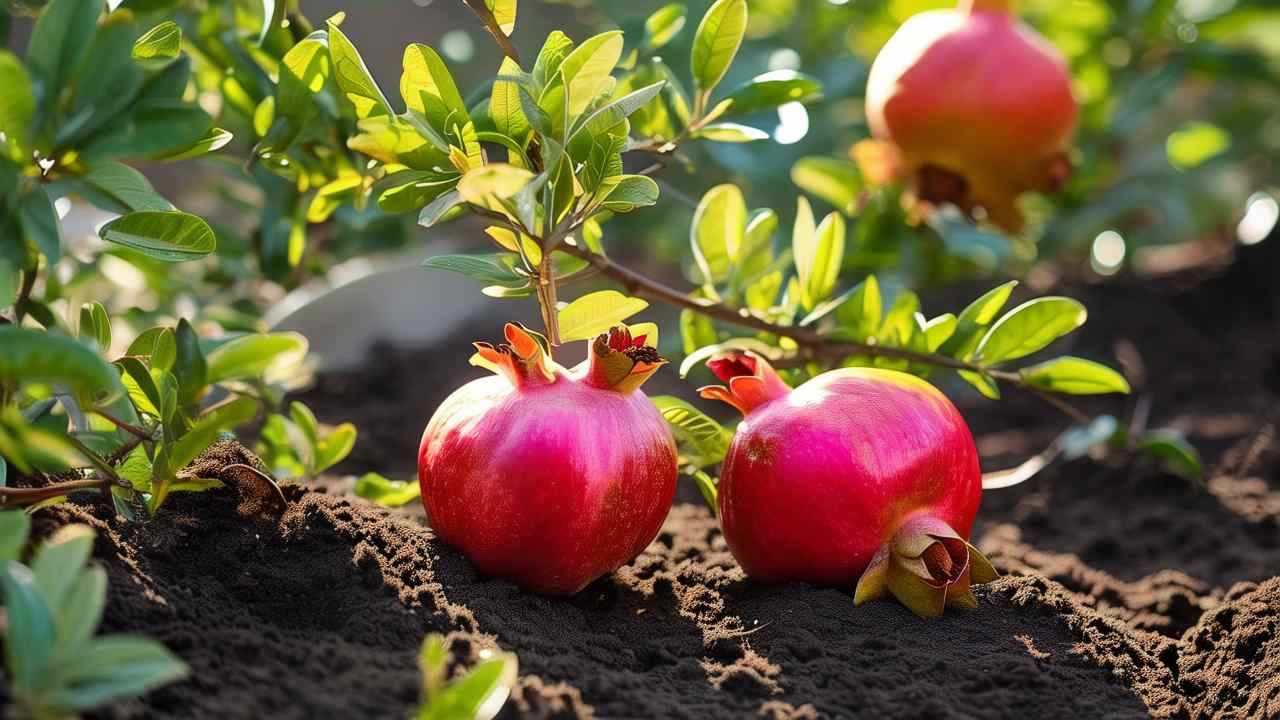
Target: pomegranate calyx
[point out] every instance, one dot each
(521, 359)
(927, 567)
(752, 381)
(621, 362)
(994, 6)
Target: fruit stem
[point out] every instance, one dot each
(999, 6)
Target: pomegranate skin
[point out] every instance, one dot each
(979, 94)
(820, 478)
(549, 483)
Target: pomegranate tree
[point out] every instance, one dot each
(550, 477)
(858, 473)
(972, 107)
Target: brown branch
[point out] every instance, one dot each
(130, 428)
(491, 24)
(30, 496)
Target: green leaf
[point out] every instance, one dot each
(1075, 376)
(19, 100)
(938, 330)
(250, 356)
(440, 208)
(56, 565)
(718, 232)
(586, 69)
(31, 356)
(702, 440)
(631, 192)
(126, 186)
(730, 133)
(614, 112)
(112, 668)
(40, 222)
(818, 253)
(95, 324)
(861, 313)
(29, 629)
(663, 25)
(495, 179)
(353, 77)
(81, 609)
(15, 526)
(835, 181)
(982, 383)
(155, 128)
(427, 87)
(709, 488)
(504, 13)
(158, 345)
(272, 17)
(716, 43)
(106, 82)
(169, 236)
(335, 446)
(973, 321)
(479, 695)
(163, 41)
(770, 90)
(555, 48)
(59, 40)
(413, 190)
(388, 493)
(1172, 449)
(206, 429)
(215, 139)
(1030, 327)
(495, 269)
(592, 314)
(504, 103)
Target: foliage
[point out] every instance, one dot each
(477, 695)
(57, 667)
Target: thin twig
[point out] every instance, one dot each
(30, 496)
(130, 428)
(491, 24)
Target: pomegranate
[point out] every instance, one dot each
(857, 472)
(547, 477)
(976, 106)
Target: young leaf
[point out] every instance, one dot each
(388, 493)
(631, 192)
(818, 256)
(206, 430)
(29, 630)
(982, 383)
(504, 103)
(614, 112)
(31, 356)
(124, 185)
(1030, 327)
(504, 13)
(835, 181)
(554, 50)
(938, 330)
(860, 313)
(586, 69)
(427, 87)
(495, 179)
(703, 441)
(592, 314)
(716, 42)
(95, 324)
(1075, 376)
(1172, 449)
(169, 236)
(479, 695)
(770, 90)
(718, 231)
(709, 488)
(663, 25)
(333, 447)
(215, 139)
(250, 356)
(973, 321)
(57, 563)
(353, 77)
(58, 42)
(272, 17)
(39, 222)
(163, 41)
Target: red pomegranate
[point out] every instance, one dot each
(857, 473)
(976, 106)
(547, 477)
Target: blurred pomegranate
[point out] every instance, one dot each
(971, 107)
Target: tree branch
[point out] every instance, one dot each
(30, 496)
(491, 24)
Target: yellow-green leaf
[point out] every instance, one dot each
(592, 314)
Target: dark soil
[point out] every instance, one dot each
(1128, 591)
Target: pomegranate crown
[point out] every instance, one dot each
(927, 566)
(751, 380)
(621, 362)
(522, 359)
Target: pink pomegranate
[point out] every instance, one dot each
(857, 473)
(547, 477)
